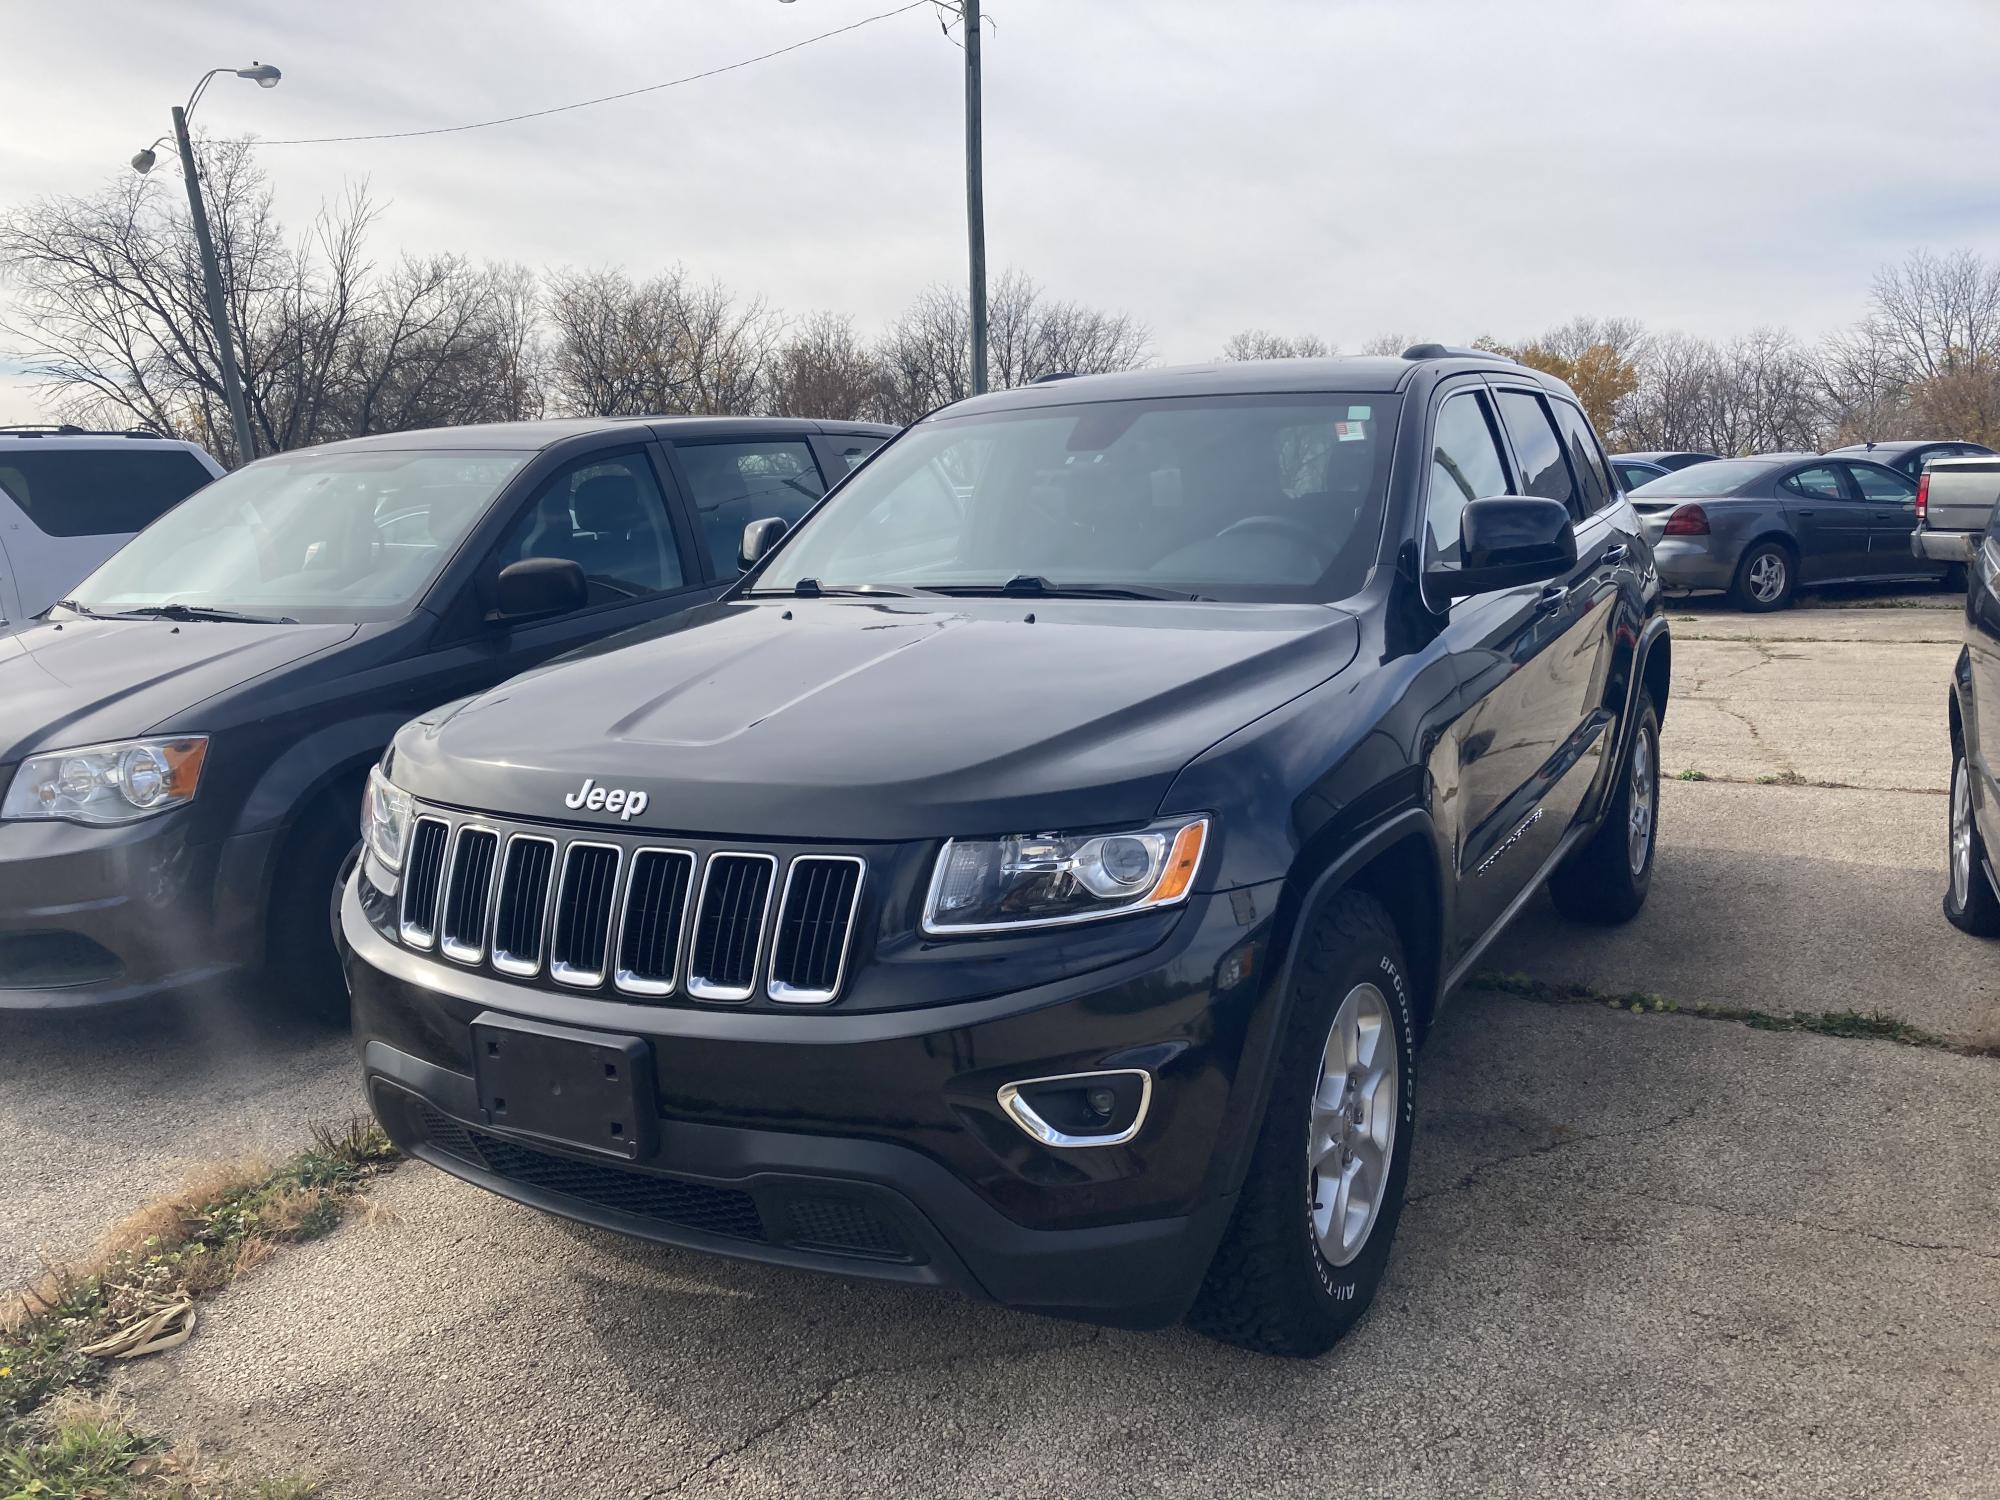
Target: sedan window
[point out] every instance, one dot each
(1881, 484)
(1821, 482)
(1706, 481)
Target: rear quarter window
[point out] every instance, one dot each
(98, 492)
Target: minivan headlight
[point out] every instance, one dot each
(113, 783)
(385, 819)
(1051, 879)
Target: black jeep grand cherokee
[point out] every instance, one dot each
(1036, 877)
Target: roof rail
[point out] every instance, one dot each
(70, 429)
(1053, 375)
(1453, 351)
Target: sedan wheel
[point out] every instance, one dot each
(1970, 903)
(1764, 578)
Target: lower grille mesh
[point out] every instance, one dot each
(692, 1205)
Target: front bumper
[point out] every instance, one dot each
(872, 1144)
(108, 916)
(1695, 562)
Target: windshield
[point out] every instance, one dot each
(1239, 498)
(329, 536)
(1722, 476)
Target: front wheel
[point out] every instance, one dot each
(1969, 902)
(1765, 579)
(1606, 879)
(1317, 1215)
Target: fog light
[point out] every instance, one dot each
(1080, 1109)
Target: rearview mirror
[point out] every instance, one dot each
(759, 537)
(536, 587)
(1504, 542)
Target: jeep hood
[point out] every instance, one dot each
(85, 681)
(852, 721)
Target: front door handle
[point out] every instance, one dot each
(1552, 598)
(1613, 556)
(1801, 512)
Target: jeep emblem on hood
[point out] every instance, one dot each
(628, 805)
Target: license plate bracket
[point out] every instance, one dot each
(589, 1091)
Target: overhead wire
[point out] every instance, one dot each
(651, 88)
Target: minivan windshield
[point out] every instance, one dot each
(305, 536)
(1217, 497)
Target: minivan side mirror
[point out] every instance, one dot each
(537, 587)
(759, 537)
(1504, 542)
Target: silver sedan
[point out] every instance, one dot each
(1762, 528)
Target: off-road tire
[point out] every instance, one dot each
(1269, 1288)
(303, 967)
(1597, 883)
(1740, 593)
(1979, 913)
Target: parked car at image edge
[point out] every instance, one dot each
(186, 736)
(1955, 499)
(70, 498)
(1036, 878)
(1972, 889)
(1909, 458)
(1762, 528)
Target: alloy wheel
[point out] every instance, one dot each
(1961, 835)
(1767, 577)
(1645, 789)
(1353, 1130)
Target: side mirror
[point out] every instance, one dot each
(1507, 541)
(536, 587)
(759, 537)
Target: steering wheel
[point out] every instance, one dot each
(1283, 526)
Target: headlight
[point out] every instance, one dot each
(108, 783)
(385, 819)
(1048, 879)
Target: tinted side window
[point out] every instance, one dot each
(1538, 448)
(1585, 457)
(1820, 483)
(87, 492)
(1880, 484)
(853, 446)
(734, 484)
(1465, 465)
(606, 516)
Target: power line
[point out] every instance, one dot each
(651, 88)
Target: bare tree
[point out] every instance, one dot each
(926, 357)
(108, 309)
(621, 348)
(1258, 343)
(824, 370)
(1938, 313)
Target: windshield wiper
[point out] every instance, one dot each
(199, 612)
(74, 608)
(1034, 586)
(811, 588)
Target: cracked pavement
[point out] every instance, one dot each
(1644, 1255)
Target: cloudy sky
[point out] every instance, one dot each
(1441, 168)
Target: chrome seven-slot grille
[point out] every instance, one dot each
(647, 920)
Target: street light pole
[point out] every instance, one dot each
(218, 308)
(975, 194)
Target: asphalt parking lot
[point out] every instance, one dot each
(1645, 1254)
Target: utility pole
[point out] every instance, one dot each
(218, 309)
(975, 193)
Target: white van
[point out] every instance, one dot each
(70, 498)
